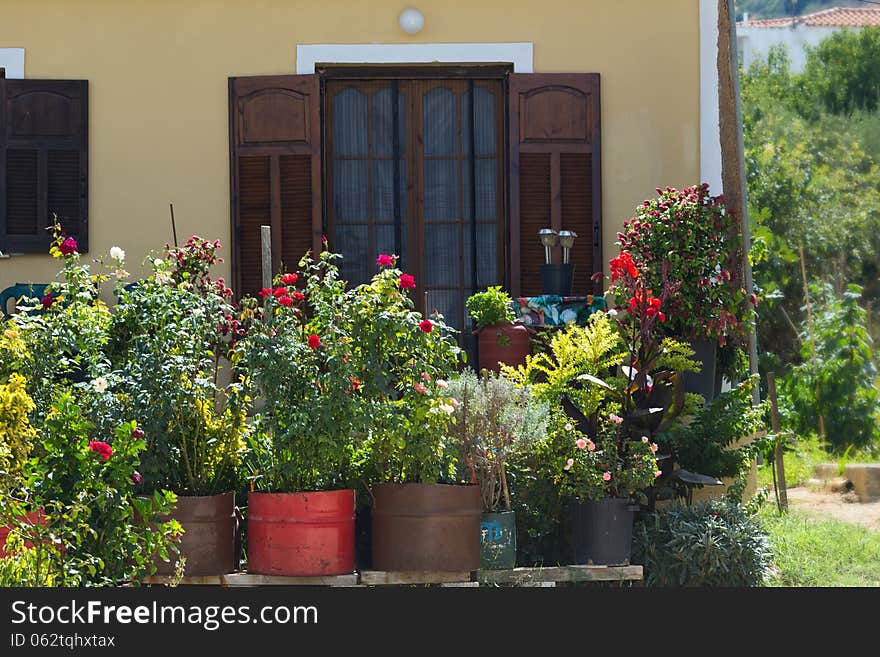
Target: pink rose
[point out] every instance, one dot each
(606, 476)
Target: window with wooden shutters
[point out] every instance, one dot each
(554, 174)
(275, 172)
(43, 162)
(419, 162)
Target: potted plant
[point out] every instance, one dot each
(500, 339)
(693, 238)
(171, 348)
(422, 519)
(616, 461)
(73, 498)
(494, 422)
(302, 356)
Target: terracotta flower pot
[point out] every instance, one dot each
(301, 534)
(507, 343)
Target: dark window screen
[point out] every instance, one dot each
(415, 168)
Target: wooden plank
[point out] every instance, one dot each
(522, 576)
(249, 579)
(378, 577)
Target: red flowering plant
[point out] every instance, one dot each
(90, 528)
(692, 238)
(405, 360)
(172, 350)
(299, 352)
(616, 454)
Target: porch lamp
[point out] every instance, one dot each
(566, 239)
(411, 20)
(549, 238)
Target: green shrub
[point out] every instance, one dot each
(708, 544)
(490, 307)
(838, 384)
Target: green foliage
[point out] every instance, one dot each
(689, 238)
(490, 307)
(843, 71)
(17, 436)
(708, 544)
(404, 358)
(708, 443)
(494, 422)
(573, 351)
(89, 528)
(353, 383)
(171, 336)
(840, 386)
(813, 181)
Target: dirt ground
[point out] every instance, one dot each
(835, 505)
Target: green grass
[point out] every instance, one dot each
(811, 552)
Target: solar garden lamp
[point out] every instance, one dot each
(566, 238)
(549, 238)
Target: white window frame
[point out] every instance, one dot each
(308, 56)
(12, 59)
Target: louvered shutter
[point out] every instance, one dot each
(554, 174)
(275, 172)
(43, 162)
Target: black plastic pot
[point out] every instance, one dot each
(603, 531)
(556, 279)
(703, 382)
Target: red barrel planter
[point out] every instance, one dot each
(209, 538)
(426, 527)
(506, 343)
(33, 517)
(301, 534)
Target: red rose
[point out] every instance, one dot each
(285, 301)
(137, 434)
(136, 478)
(47, 301)
(280, 292)
(102, 448)
(299, 296)
(314, 341)
(407, 282)
(68, 246)
(384, 260)
(265, 292)
(289, 279)
(426, 325)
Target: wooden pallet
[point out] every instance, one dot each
(526, 577)
(249, 579)
(396, 578)
(554, 574)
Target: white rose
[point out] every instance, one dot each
(117, 253)
(100, 384)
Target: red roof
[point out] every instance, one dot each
(834, 17)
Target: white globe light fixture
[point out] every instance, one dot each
(411, 21)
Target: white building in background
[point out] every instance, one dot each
(756, 37)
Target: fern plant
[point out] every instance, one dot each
(576, 351)
(708, 444)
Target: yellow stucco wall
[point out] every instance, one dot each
(158, 70)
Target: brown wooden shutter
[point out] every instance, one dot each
(554, 175)
(275, 172)
(43, 162)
